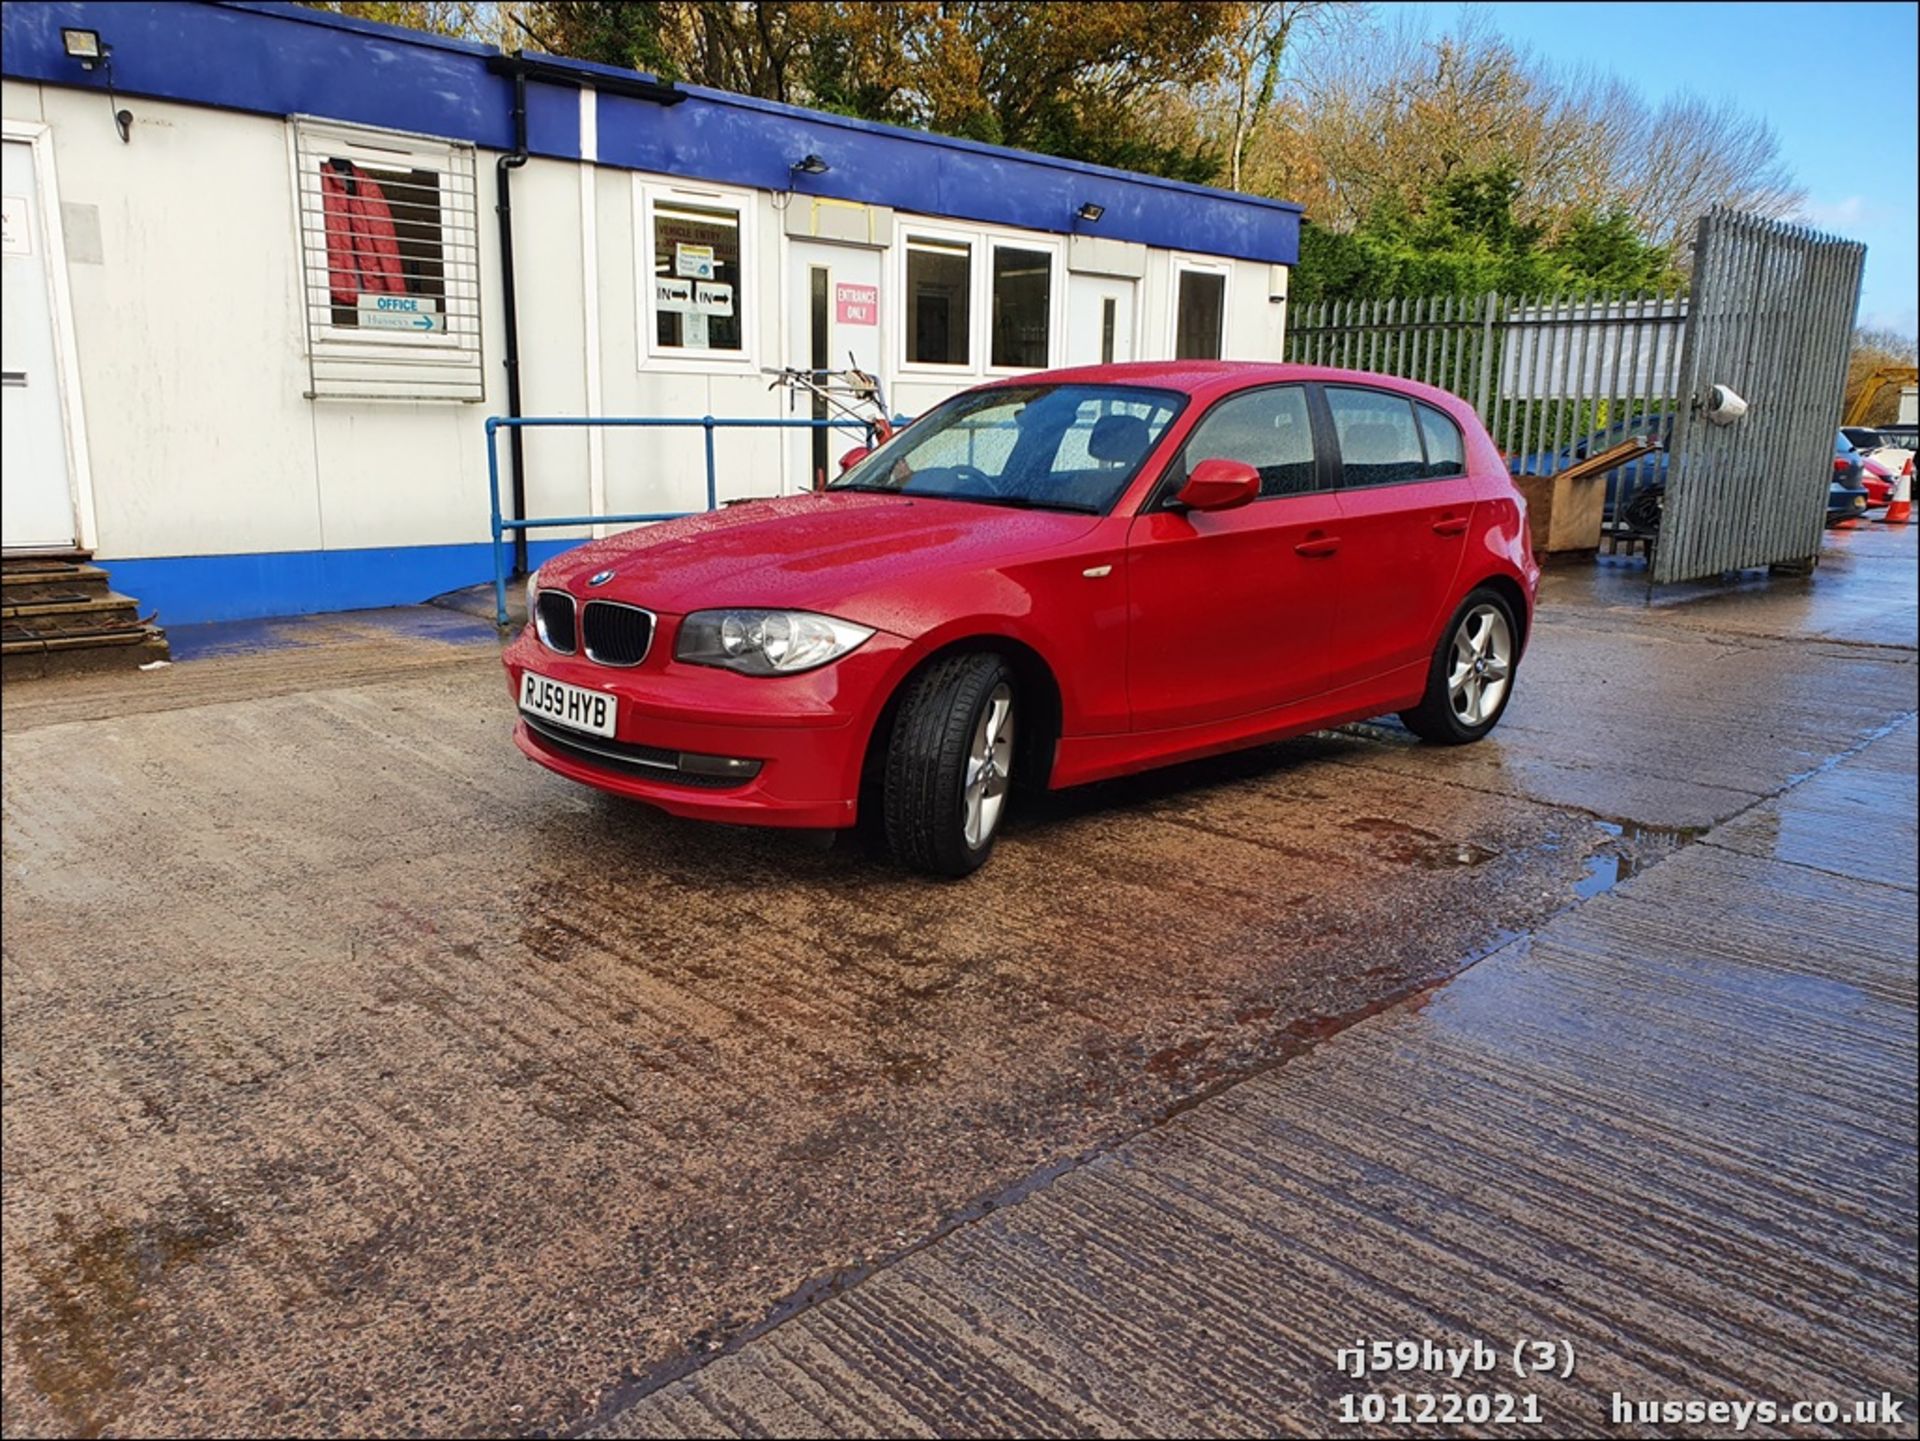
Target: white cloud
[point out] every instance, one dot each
(1901, 322)
(1847, 214)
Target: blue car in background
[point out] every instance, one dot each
(1636, 489)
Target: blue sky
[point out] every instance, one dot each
(1836, 81)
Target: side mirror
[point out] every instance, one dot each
(853, 458)
(1219, 484)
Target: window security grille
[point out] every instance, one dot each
(390, 255)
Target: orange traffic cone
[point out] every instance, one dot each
(1900, 508)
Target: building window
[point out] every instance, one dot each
(697, 270)
(1379, 442)
(939, 301)
(1199, 315)
(389, 235)
(1022, 307)
(383, 240)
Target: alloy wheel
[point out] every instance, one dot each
(989, 766)
(1482, 665)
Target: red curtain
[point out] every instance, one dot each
(363, 256)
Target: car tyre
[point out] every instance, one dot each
(1471, 678)
(949, 764)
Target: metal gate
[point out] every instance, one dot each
(1771, 319)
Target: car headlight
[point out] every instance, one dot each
(765, 642)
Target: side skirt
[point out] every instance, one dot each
(1081, 759)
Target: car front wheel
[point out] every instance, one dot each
(1471, 677)
(950, 765)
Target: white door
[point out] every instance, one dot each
(834, 315)
(1099, 319)
(36, 509)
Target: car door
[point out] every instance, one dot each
(1229, 610)
(1405, 509)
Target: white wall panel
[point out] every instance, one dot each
(189, 332)
(191, 343)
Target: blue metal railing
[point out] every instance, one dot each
(502, 524)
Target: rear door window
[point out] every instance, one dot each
(1446, 451)
(1379, 440)
(1271, 430)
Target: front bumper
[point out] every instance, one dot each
(807, 733)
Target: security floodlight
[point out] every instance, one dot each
(1091, 212)
(93, 53)
(86, 46)
(1723, 406)
(811, 165)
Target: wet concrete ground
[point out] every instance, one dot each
(1671, 1132)
(360, 1075)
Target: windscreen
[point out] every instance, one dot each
(1053, 447)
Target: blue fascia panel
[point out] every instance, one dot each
(733, 139)
(281, 60)
(185, 589)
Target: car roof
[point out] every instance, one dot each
(1207, 378)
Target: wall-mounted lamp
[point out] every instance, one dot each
(93, 53)
(810, 165)
(1091, 212)
(86, 46)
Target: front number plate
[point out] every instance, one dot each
(567, 705)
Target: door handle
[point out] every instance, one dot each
(1450, 525)
(1317, 546)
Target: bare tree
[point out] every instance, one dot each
(1256, 52)
(1695, 155)
(1874, 351)
(1383, 122)
(461, 19)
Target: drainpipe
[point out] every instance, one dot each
(523, 68)
(503, 209)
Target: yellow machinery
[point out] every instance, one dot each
(1877, 380)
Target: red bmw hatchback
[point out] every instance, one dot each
(1042, 582)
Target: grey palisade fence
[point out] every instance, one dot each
(1770, 310)
(1544, 372)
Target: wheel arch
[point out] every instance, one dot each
(1515, 595)
(1038, 729)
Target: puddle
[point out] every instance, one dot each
(1627, 851)
(1607, 867)
(92, 1329)
(1406, 845)
(208, 639)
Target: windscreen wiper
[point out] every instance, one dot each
(1014, 502)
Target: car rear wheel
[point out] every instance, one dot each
(950, 765)
(1471, 678)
